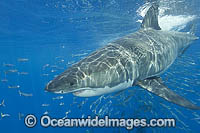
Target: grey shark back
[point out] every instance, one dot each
(136, 59)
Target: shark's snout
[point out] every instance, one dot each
(61, 85)
(50, 87)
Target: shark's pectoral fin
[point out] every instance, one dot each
(151, 18)
(156, 86)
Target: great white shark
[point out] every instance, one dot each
(137, 59)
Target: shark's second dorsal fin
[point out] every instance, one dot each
(151, 18)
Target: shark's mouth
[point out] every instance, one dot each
(86, 92)
(76, 91)
(95, 91)
(79, 92)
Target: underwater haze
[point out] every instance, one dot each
(39, 39)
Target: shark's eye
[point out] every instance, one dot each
(71, 84)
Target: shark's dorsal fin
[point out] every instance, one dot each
(156, 86)
(151, 18)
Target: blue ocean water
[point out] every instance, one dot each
(52, 35)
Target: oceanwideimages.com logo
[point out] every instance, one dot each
(47, 121)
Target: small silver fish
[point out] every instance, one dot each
(58, 57)
(66, 114)
(4, 115)
(54, 66)
(4, 80)
(57, 98)
(83, 115)
(14, 87)
(62, 46)
(22, 73)
(45, 105)
(25, 94)
(46, 113)
(61, 104)
(62, 60)
(128, 98)
(45, 66)
(23, 59)
(57, 67)
(74, 55)
(11, 71)
(8, 65)
(45, 74)
(3, 103)
(53, 70)
(70, 62)
(60, 68)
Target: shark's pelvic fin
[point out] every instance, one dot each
(151, 18)
(156, 86)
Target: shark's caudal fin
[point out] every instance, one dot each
(155, 86)
(151, 18)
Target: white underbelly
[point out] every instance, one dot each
(89, 92)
